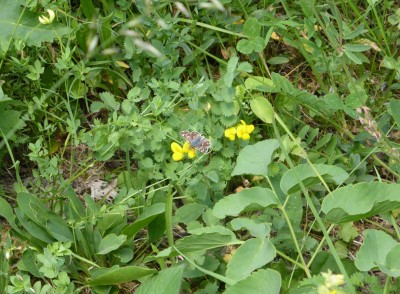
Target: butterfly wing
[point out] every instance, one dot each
(196, 140)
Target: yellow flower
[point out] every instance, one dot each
(230, 133)
(178, 152)
(191, 152)
(47, 20)
(243, 131)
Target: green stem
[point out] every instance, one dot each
(311, 204)
(168, 217)
(296, 244)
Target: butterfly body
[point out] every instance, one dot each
(197, 141)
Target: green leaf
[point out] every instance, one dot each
(278, 60)
(261, 84)
(116, 275)
(167, 281)
(352, 57)
(356, 47)
(20, 24)
(305, 173)
(96, 106)
(245, 200)
(389, 62)
(110, 243)
(391, 266)
(258, 230)
(188, 213)
(256, 44)
(230, 71)
(254, 159)
(374, 250)
(347, 232)
(202, 239)
(262, 109)
(366, 199)
(109, 101)
(251, 255)
(265, 281)
(144, 219)
(34, 209)
(394, 109)
(251, 28)
(10, 120)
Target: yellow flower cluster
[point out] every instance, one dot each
(242, 131)
(178, 151)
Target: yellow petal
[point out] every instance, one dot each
(175, 147)
(177, 156)
(192, 153)
(240, 130)
(245, 136)
(249, 129)
(231, 137)
(186, 147)
(243, 122)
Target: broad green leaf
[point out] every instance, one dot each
(210, 238)
(260, 83)
(34, 209)
(395, 111)
(304, 173)
(258, 230)
(352, 57)
(28, 263)
(20, 24)
(265, 281)
(34, 230)
(356, 47)
(116, 275)
(262, 109)
(144, 219)
(167, 281)
(251, 255)
(278, 60)
(188, 213)
(254, 159)
(6, 211)
(391, 266)
(251, 28)
(374, 249)
(245, 200)
(389, 62)
(355, 202)
(110, 243)
(111, 219)
(10, 120)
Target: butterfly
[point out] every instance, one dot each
(197, 141)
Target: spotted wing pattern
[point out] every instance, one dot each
(196, 141)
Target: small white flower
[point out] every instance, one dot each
(47, 20)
